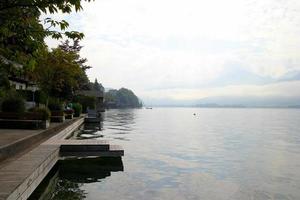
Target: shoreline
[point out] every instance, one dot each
(21, 174)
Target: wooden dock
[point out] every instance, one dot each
(19, 178)
(17, 141)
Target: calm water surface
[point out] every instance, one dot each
(170, 153)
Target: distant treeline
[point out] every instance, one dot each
(122, 98)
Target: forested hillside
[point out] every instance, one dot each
(122, 98)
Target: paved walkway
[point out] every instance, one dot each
(22, 173)
(8, 136)
(16, 142)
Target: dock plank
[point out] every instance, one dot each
(114, 151)
(20, 177)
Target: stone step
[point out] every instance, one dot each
(113, 151)
(82, 145)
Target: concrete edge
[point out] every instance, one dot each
(20, 145)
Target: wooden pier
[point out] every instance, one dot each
(20, 177)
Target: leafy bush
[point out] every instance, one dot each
(85, 101)
(77, 109)
(4, 82)
(13, 103)
(55, 105)
(25, 94)
(40, 97)
(44, 112)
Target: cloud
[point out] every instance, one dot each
(191, 49)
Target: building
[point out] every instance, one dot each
(22, 84)
(99, 95)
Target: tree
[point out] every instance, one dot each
(22, 33)
(9, 67)
(75, 48)
(4, 82)
(97, 86)
(11, 11)
(58, 74)
(84, 83)
(123, 98)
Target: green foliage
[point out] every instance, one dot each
(85, 101)
(58, 74)
(74, 49)
(97, 86)
(40, 97)
(77, 109)
(25, 94)
(122, 98)
(44, 112)
(55, 105)
(13, 103)
(46, 6)
(22, 33)
(4, 82)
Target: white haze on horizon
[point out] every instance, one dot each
(185, 50)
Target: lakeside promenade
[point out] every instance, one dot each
(15, 142)
(28, 155)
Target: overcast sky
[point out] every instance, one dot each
(191, 49)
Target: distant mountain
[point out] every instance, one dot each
(235, 75)
(252, 101)
(230, 101)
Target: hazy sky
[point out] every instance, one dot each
(190, 49)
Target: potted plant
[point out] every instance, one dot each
(42, 115)
(77, 109)
(13, 114)
(57, 112)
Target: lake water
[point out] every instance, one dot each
(170, 153)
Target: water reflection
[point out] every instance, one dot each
(121, 120)
(89, 170)
(89, 131)
(68, 176)
(93, 126)
(118, 123)
(236, 154)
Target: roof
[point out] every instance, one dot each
(18, 79)
(23, 80)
